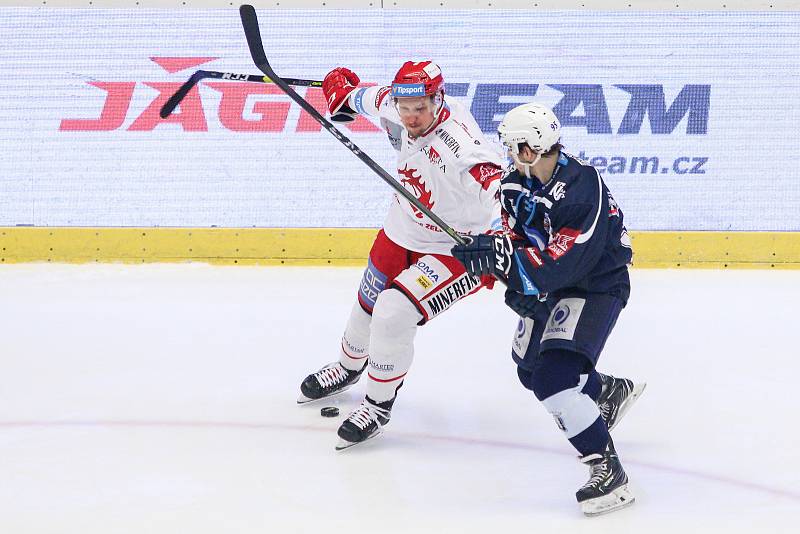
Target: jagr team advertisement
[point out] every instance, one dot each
(691, 117)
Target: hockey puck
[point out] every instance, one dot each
(329, 411)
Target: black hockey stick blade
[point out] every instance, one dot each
(253, 34)
(181, 93)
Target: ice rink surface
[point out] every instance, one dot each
(161, 399)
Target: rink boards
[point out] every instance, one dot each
(350, 246)
(691, 117)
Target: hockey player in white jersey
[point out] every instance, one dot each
(444, 160)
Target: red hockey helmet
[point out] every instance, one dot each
(423, 78)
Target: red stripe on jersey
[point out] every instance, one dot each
(384, 381)
(486, 173)
(561, 242)
(382, 92)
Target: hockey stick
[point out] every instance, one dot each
(181, 93)
(253, 34)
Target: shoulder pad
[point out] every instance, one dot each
(512, 176)
(459, 135)
(579, 184)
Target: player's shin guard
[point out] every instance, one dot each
(338, 377)
(355, 341)
(592, 384)
(578, 417)
(394, 325)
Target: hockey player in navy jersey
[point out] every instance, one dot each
(564, 256)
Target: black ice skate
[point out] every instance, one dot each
(330, 380)
(607, 488)
(616, 398)
(364, 423)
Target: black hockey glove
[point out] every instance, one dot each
(486, 255)
(524, 305)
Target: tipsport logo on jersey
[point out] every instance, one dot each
(256, 107)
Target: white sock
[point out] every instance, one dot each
(355, 342)
(394, 325)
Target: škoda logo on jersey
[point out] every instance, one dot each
(263, 108)
(561, 242)
(434, 157)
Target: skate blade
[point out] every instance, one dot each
(302, 399)
(636, 392)
(344, 444)
(616, 500)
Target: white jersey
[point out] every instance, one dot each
(451, 169)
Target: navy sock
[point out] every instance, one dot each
(593, 385)
(592, 440)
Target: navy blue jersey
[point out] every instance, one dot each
(572, 234)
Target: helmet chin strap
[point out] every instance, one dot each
(527, 166)
(439, 101)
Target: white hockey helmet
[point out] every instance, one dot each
(533, 124)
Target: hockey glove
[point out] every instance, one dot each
(337, 86)
(524, 305)
(486, 255)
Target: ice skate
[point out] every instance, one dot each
(616, 398)
(330, 380)
(364, 423)
(607, 488)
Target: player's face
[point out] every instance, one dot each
(526, 155)
(416, 113)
